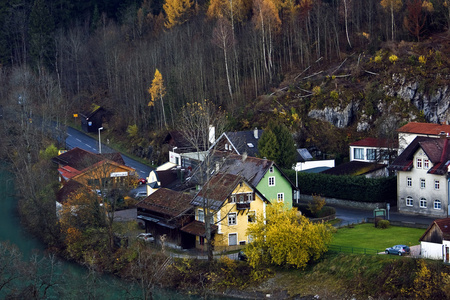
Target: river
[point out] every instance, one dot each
(75, 282)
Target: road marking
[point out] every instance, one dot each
(78, 140)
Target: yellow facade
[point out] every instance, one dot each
(234, 217)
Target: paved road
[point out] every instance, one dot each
(353, 215)
(79, 139)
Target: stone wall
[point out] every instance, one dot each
(347, 203)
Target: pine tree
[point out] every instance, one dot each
(286, 144)
(268, 145)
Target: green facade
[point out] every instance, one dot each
(281, 186)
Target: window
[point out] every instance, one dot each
(426, 164)
(422, 183)
(408, 181)
(271, 181)
(249, 197)
(436, 184)
(280, 197)
(437, 204)
(226, 146)
(409, 201)
(419, 163)
(232, 219)
(271, 170)
(358, 153)
(251, 216)
(423, 203)
(201, 215)
(201, 240)
(241, 198)
(371, 154)
(233, 199)
(232, 239)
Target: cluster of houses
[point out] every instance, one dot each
(228, 186)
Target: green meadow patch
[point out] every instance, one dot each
(367, 236)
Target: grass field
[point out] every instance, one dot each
(367, 236)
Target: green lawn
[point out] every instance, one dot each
(367, 236)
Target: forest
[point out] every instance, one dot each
(59, 57)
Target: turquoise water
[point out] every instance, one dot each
(72, 281)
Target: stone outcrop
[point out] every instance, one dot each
(340, 118)
(434, 104)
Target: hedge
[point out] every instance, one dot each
(355, 188)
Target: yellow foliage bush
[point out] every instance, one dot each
(422, 60)
(393, 58)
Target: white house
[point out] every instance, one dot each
(422, 177)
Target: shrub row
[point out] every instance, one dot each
(355, 188)
(324, 212)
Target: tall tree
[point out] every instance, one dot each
(392, 6)
(177, 12)
(223, 38)
(277, 144)
(268, 146)
(158, 91)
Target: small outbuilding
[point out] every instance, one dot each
(435, 242)
(92, 118)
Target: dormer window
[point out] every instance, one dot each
(419, 163)
(250, 145)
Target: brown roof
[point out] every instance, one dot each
(167, 202)
(71, 187)
(424, 128)
(437, 150)
(443, 225)
(80, 159)
(197, 228)
(216, 191)
(376, 142)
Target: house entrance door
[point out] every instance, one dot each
(447, 254)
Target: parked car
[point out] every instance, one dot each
(242, 256)
(398, 250)
(146, 237)
(142, 181)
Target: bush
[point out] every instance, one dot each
(383, 224)
(324, 212)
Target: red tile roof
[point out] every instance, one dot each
(424, 128)
(443, 225)
(68, 172)
(374, 142)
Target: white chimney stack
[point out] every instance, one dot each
(255, 132)
(212, 134)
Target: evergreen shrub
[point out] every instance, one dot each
(355, 188)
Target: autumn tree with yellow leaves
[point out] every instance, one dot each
(285, 238)
(177, 12)
(158, 91)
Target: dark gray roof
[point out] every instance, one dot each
(303, 155)
(244, 141)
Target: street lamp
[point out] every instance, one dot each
(99, 141)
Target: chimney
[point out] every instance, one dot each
(212, 134)
(244, 156)
(255, 133)
(443, 135)
(217, 167)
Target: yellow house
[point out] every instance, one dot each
(233, 204)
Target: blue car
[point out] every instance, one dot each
(398, 250)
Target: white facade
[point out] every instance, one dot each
(311, 164)
(432, 250)
(369, 154)
(421, 192)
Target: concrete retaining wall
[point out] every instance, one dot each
(347, 203)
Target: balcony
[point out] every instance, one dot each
(243, 205)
